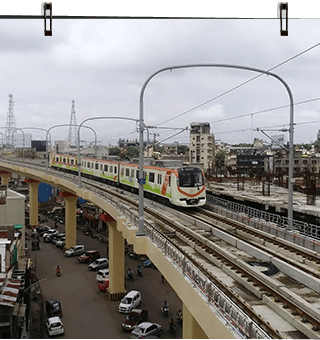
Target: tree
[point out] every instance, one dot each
(132, 152)
(114, 151)
(220, 160)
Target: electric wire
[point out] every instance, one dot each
(240, 85)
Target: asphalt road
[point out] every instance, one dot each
(87, 312)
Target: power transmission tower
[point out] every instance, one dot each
(72, 137)
(11, 123)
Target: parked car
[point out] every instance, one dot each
(61, 242)
(146, 329)
(57, 238)
(130, 301)
(103, 284)
(134, 318)
(99, 264)
(88, 256)
(54, 326)
(102, 274)
(41, 228)
(48, 236)
(53, 308)
(73, 251)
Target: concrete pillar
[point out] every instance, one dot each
(190, 327)
(33, 200)
(116, 288)
(70, 218)
(5, 176)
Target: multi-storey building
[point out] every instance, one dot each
(202, 147)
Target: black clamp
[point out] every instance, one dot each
(47, 6)
(283, 6)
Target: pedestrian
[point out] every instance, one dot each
(162, 278)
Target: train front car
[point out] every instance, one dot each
(189, 188)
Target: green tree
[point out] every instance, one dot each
(132, 152)
(114, 151)
(220, 160)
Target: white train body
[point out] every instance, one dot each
(182, 186)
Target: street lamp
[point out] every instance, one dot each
(141, 129)
(45, 279)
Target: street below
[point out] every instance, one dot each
(87, 312)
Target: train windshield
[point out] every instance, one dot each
(190, 177)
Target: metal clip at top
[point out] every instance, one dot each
(283, 6)
(47, 6)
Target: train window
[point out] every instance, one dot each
(132, 173)
(115, 169)
(64, 160)
(101, 167)
(127, 172)
(92, 165)
(111, 168)
(97, 166)
(137, 174)
(190, 177)
(88, 165)
(105, 167)
(57, 159)
(122, 171)
(151, 177)
(159, 179)
(170, 181)
(72, 161)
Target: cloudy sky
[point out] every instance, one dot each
(102, 64)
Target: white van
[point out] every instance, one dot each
(130, 301)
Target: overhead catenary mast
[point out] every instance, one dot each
(72, 137)
(10, 124)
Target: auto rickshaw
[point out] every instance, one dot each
(53, 308)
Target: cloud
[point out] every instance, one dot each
(214, 112)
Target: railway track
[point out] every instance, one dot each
(204, 247)
(298, 313)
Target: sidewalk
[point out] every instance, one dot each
(36, 329)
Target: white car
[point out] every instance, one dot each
(102, 274)
(54, 326)
(99, 264)
(130, 301)
(146, 330)
(73, 251)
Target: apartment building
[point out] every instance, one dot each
(202, 147)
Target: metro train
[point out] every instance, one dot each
(182, 186)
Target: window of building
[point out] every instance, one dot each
(296, 161)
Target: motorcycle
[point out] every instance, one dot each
(130, 275)
(172, 327)
(165, 310)
(139, 271)
(58, 270)
(179, 316)
(102, 239)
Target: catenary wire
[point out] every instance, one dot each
(240, 85)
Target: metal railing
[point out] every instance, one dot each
(302, 233)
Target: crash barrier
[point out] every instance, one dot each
(298, 232)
